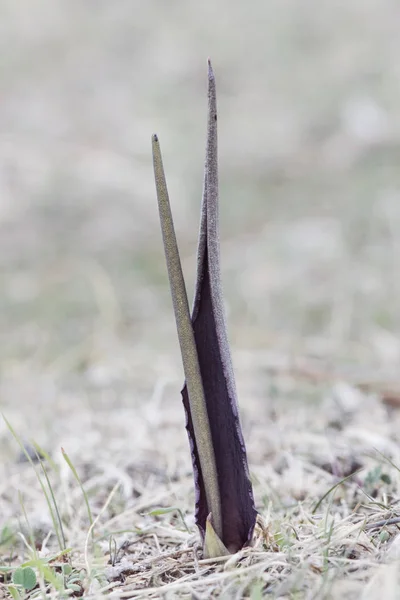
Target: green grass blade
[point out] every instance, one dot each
(75, 474)
(55, 520)
(331, 489)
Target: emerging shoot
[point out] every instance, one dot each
(225, 512)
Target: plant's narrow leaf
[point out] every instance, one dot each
(208, 319)
(213, 546)
(164, 511)
(201, 435)
(78, 479)
(332, 488)
(14, 593)
(54, 513)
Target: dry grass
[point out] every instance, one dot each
(309, 143)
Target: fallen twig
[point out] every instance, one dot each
(382, 523)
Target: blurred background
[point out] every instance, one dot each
(309, 144)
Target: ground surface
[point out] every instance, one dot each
(309, 103)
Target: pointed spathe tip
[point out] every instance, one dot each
(210, 69)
